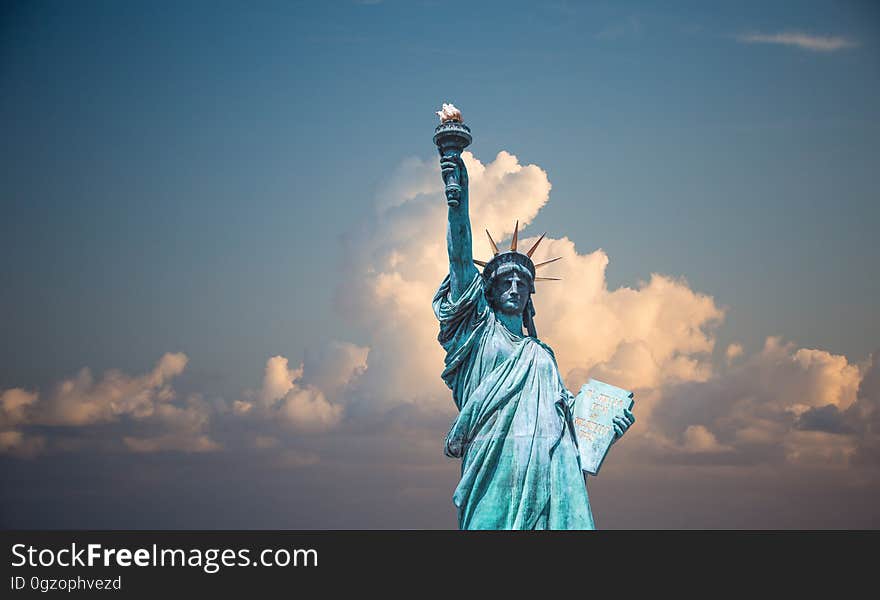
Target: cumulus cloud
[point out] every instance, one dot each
(182, 429)
(398, 258)
(656, 332)
(379, 405)
(307, 409)
(799, 39)
(302, 406)
(698, 439)
(863, 416)
(782, 404)
(147, 401)
(333, 367)
(83, 401)
(311, 397)
(277, 380)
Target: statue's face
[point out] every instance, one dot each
(510, 293)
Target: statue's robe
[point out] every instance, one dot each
(520, 466)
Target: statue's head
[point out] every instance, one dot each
(509, 280)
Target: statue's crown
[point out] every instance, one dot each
(503, 262)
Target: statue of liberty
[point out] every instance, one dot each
(514, 434)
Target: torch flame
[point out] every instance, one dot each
(449, 113)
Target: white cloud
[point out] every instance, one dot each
(145, 401)
(307, 409)
(806, 41)
(277, 380)
(782, 404)
(312, 397)
(656, 337)
(181, 429)
(84, 401)
(398, 259)
(334, 366)
(698, 439)
(656, 332)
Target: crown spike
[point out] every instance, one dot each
(479, 262)
(530, 252)
(547, 262)
(548, 279)
(492, 242)
(513, 242)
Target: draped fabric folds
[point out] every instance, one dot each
(520, 466)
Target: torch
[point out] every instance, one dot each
(452, 136)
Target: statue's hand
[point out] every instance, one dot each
(454, 164)
(622, 424)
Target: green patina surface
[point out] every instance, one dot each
(514, 432)
(520, 466)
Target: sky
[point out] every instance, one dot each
(223, 225)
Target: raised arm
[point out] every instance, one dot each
(458, 232)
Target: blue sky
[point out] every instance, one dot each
(181, 177)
